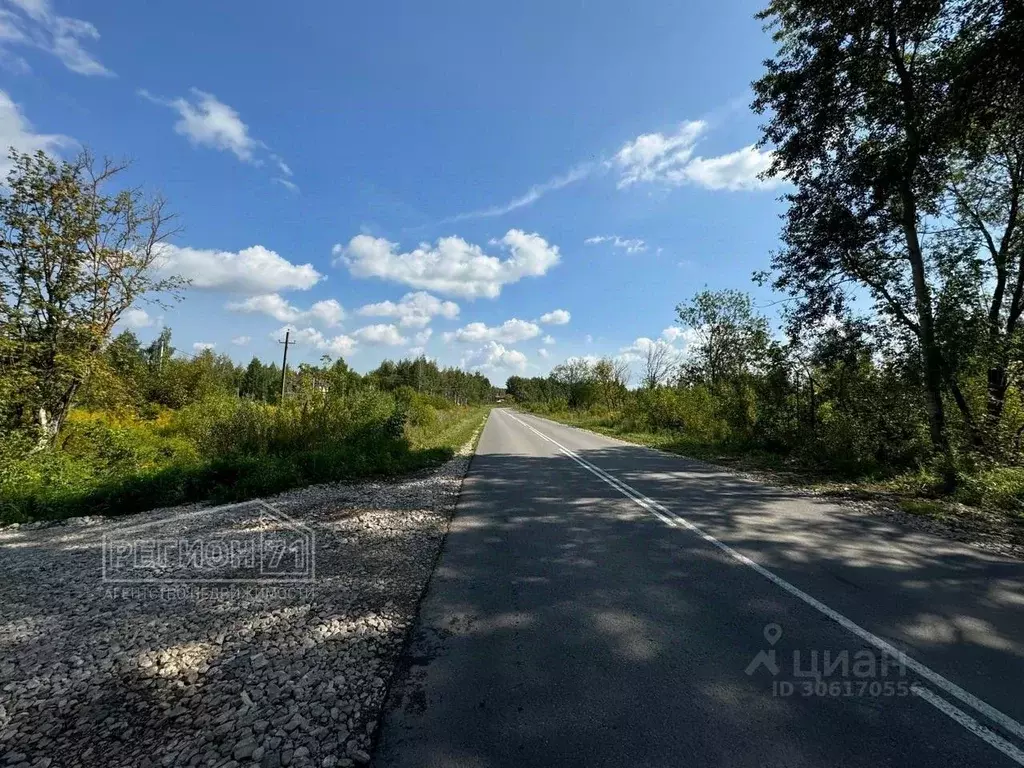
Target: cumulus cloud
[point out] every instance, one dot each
(669, 160)
(251, 270)
(508, 332)
(493, 357)
(270, 304)
(421, 338)
(32, 23)
(328, 312)
(380, 335)
(556, 317)
(412, 310)
(635, 245)
(737, 170)
(674, 333)
(203, 346)
(673, 339)
(241, 341)
(340, 345)
(16, 131)
(549, 340)
(543, 353)
(451, 266)
(137, 318)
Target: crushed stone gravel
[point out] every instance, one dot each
(177, 672)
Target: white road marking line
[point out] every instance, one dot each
(1004, 720)
(969, 723)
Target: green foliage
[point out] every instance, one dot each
(222, 448)
(155, 429)
(1001, 487)
(841, 402)
(73, 259)
(424, 376)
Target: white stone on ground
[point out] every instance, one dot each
(87, 679)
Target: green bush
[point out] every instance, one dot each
(1001, 487)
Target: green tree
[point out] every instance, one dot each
(73, 259)
(729, 337)
(871, 113)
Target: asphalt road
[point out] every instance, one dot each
(598, 603)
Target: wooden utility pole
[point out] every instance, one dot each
(284, 362)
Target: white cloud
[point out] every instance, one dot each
(251, 270)
(282, 165)
(556, 317)
(241, 341)
(452, 266)
(203, 346)
(737, 170)
(270, 304)
(657, 157)
(209, 122)
(16, 131)
(494, 356)
(291, 186)
(421, 338)
(674, 339)
(33, 23)
(340, 345)
(509, 332)
(588, 339)
(328, 312)
(549, 340)
(412, 310)
(532, 195)
(669, 160)
(543, 353)
(416, 351)
(640, 346)
(380, 334)
(635, 245)
(137, 318)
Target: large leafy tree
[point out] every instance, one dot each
(872, 113)
(729, 336)
(73, 258)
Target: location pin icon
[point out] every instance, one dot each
(772, 633)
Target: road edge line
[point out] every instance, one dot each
(966, 697)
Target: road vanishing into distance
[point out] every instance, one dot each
(599, 603)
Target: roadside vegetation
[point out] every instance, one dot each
(837, 411)
(91, 424)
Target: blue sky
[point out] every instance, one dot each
(329, 159)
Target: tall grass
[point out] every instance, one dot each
(223, 449)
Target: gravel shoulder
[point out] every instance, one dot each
(218, 673)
